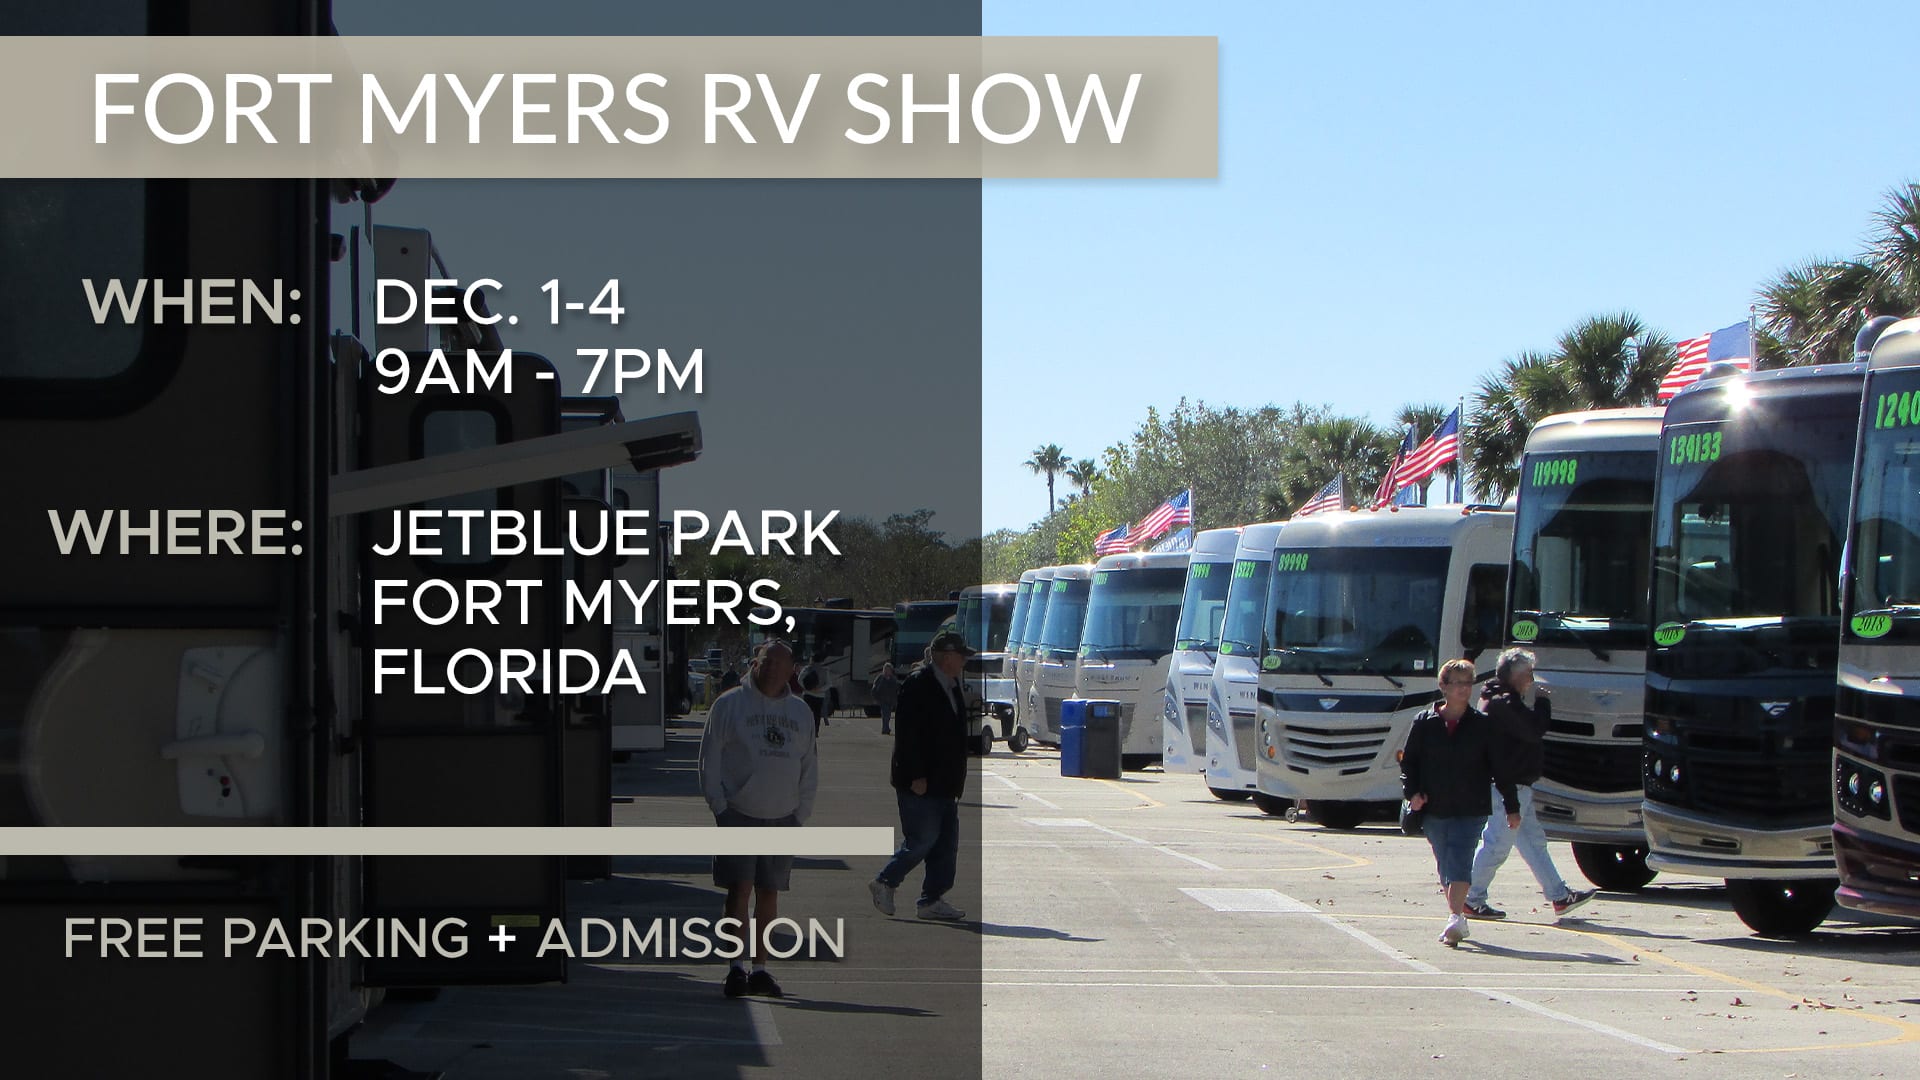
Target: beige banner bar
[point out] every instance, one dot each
(610, 107)
(825, 842)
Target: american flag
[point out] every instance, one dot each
(1112, 542)
(1385, 495)
(1329, 498)
(1441, 447)
(1175, 511)
(1731, 344)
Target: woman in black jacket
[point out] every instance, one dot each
(1448, 771)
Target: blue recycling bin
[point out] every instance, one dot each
(1090, 738)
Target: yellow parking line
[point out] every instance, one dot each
(1909, 1031)
(1151, 803)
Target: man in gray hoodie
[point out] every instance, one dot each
(758, 766)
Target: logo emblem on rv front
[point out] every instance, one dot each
(1604, 698)
(1329, 702)
(1776, 708)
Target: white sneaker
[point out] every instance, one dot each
(882, 894)
(941, 910)
(1455, 932)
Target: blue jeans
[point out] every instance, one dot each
(1452, 840)
(932, 827)
(886, 719)
(1498, 841)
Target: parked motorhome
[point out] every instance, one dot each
(1236, 670)
(1027, 659)
(1056, 661)
(1577, 598)
(1362, 609)
(1126, 643)
(1203, 610)
(1750, 518)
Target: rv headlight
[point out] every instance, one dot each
(1877, 792)
(1673, 774)
(1853, 784)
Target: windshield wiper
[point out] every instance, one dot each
(1371, 670)
(1599, 653)
(1895, 610)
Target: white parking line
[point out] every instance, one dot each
(1023, 791)
(1590, 1025)
(1283, 904)
(1248, 900)
(764, 1029)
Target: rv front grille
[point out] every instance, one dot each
(1197, 727)
(1242, 723)
(1587, 766)
(1327, 745)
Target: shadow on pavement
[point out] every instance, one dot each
(1600, 959)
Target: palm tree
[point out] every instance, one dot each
(1810, 313)
(1050, 460)
(1603, 362)
(1082, 474)
(1322, 448)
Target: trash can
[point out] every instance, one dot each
(1100, 741)
(1090, 738)
(1073, 727)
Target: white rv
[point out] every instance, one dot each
(1203, 609)
(1055, 661)
(1363, 608)
(986, 619)
(1017, 668)
(1027, 661)
(1126, 645)
(1578, 600)
(1236, 670)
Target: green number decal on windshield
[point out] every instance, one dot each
(1558, 472)
(1669, 633)
(1526, 630)
(1872, 626)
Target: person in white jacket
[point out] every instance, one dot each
(759, 765)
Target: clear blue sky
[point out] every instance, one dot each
(1410, 193)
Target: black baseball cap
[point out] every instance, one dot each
(951, 641)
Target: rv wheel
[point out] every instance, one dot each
(1614, 867)
(1782, 909)
(1339, 815)
(1271, 805)
(1019, 741)
(1229, 796)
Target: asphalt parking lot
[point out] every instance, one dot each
(1141, 927)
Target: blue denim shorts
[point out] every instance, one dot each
(1454, 840)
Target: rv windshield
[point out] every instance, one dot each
(1204, 607)
(914, 625)
(1750, 515)
(1066, 617)
(1132, 613)
(1885, 605)
(1580, 549)
(1356, 611)
(1037, 605)
(1246, 608)
(984, 620)
(1017, 618)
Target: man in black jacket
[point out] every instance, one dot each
(929, 774)
(1520, 712)
(1448, 770)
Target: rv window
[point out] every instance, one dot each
(445, 431)
(56, 359)
(1486, 607)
